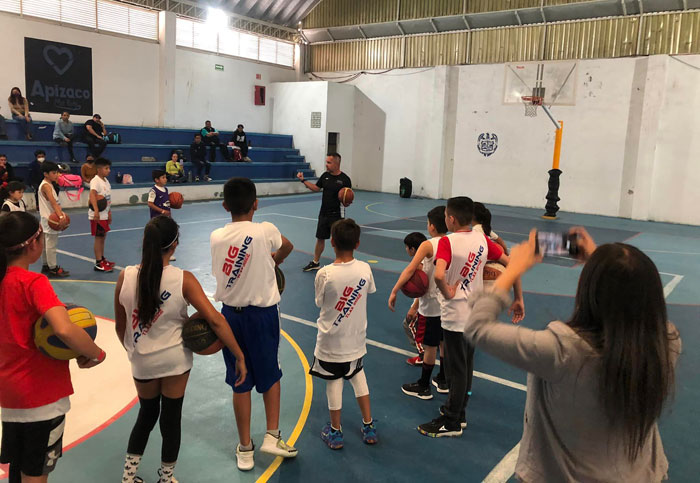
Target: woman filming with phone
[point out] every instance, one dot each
(597, 384)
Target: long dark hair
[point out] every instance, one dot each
(620, 310)
(16, 228)
(482, 215)
(159, 235)
(19, 98)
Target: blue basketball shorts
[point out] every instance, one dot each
(257, 330)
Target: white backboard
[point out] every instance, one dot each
(558, 79)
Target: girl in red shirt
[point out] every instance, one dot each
(34, 389)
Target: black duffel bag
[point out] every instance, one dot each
(405, 188)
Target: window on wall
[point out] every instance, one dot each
(96, 14)
(198, 35)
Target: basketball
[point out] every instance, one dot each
(416, 286)
(199, 337)
(55, 222)
(176, 200)
(279, 275)
(492, 271)
(50, 345)
(101, 203)
(346, 196)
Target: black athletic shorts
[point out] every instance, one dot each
(323, 229)
(433, 331)
(33, 448)
(335, 370)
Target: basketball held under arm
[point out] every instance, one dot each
(71, 335)
(48, 191)
(283, 252)
(193, 293)
(424, 250)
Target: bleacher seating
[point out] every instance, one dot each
(273, 155)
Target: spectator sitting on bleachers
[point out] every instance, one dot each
(88, 170)
(94, 133)
(240, 140)
(174, 169)
(36, 176)
(3, 128)
(19, 108)
(9, 170)
(198, 156)
(63, 134)
(211, 139)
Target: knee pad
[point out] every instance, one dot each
(359, 384)
(170, 428)
(334, 393)
(149, 411)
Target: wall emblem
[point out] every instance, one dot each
(487, 143)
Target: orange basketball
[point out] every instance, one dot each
(346, 196)
(55, 222)
(176, 200)
(417, 285)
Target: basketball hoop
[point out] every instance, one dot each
(531, 103)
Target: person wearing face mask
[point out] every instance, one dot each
(19, 107)
(35, 174)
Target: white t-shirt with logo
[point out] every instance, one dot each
(241, 254)
(466, 253)
(428, 304)
(341, 294)
(103, 188)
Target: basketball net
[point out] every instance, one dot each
(531, 104)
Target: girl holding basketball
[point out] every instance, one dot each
(34, 388)
(150, 304)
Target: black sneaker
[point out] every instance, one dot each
(45, 269)
(462, 417)
(416, 390)
(57, 272)
(440, 427)
(312, 266)
(441, 385)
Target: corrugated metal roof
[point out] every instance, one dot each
(280, 12)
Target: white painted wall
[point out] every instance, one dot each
(340, 119)
(127, 85)
(368, 149)
(224, 97)
(675, 191)
(124, 71)
(630, 145)
(293, 103)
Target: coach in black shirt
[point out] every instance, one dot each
(330, 182)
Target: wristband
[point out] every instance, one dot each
(101, 357)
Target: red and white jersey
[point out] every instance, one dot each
(241, 255)
(341, 294)
(429, 304)
(465, 252)
(165, 331)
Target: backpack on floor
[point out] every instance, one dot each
(71, 181)
(112, 138)
(405, 188)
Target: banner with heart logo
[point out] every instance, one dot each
(58, 77)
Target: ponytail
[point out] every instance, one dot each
(483, 217)
(158, 236)
(17, 230)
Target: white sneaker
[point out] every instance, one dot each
(277, 447)
(245, 459)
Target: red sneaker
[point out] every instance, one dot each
(103, 267)
(111, 264)
(415, 361)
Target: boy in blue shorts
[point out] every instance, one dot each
(247, 287)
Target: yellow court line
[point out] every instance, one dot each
(304, 410)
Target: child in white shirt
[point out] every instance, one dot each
(341, 294)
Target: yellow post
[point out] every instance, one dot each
(557, 146)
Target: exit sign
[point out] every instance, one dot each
(218, 67)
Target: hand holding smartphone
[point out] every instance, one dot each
(550, 244)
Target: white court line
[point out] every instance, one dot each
(81, 257)
(363, 226)
(506, 467)
(481, 375)
(141, 227)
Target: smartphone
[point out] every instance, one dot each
(550, 244)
